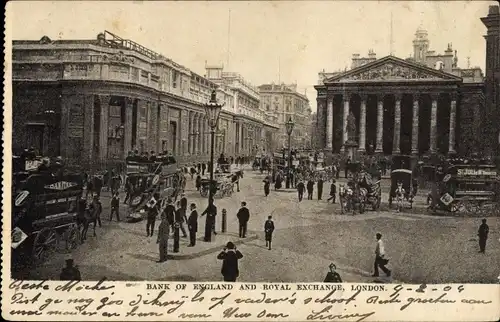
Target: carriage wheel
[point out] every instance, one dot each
(72, 237)
(45, 242)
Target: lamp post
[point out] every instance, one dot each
(212, 109)
(289, 129)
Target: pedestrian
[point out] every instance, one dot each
(268, 230)
(115, 204)
(243, 216)
(380, 260)
(97, 185)
(332, 276)
(180, 215)
(333, 191)
(483, 236)
(70, 272)
(267, 184)
(162, 240)
(300, 189)
(203, 168)
(320, 187)
(230, 256)
(211, 212)
(310, 189)
(192, 171)
(128, 190)
(96, 209)
(198, 167)
(169, 212)
(198, 182)
(192, 223)
(278, 181)
(152, 212)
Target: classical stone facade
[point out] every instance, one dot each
(254, 128)
(492, 78)
(285, 102)
(422, 104)
(92, 101)
(398, 106)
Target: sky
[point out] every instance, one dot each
(265, 41)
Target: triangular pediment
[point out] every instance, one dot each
(393, 69)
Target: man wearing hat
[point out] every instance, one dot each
(333, 191)
(230, 256)
(70, 272)
(192, 223)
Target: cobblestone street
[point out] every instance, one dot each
(309, 235)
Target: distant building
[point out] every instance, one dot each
(254, 129)
(419, 105)
(285, 102)
(492, 79)
(92, 101)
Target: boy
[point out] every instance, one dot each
(332, 276)
(268, 229)
(115, 202)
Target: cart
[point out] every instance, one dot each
(403, 188)
(44, 214)
(465, 188)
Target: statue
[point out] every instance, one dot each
(213, 96)
(351, 127)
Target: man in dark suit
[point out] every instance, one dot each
(243, 217)
(310, 189)
(300, 189)
(203, 168)
(192, 223)
(320, 187)
(211, 212)
(230, 256)
(483, 236)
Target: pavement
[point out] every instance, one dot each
(309, 236)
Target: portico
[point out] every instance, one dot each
(394, 107)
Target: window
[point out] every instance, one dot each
(174, 78)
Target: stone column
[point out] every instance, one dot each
(362, 124)
(103, 132)
(127, 136)
(195, 130)
(414, 132)
(453, 114)
(380, 123)
(184, 130)
(199, 147)
(345, 111)
(433, 136)
(190, 133)
(397, 125)
(329, 123)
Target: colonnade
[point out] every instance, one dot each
(397, 122)
(199, 134)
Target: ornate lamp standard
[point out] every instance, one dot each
(289, 129)
(213, 109)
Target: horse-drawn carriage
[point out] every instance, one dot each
(222, 185)
(404, 184)
(44, 210)
(362, 190)
(148, 178)
(465, 188)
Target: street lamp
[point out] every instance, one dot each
(289, 129)
(212, 109)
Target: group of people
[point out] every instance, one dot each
(164, 157)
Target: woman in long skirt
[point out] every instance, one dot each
(267, 184)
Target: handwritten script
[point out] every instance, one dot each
(105, 300)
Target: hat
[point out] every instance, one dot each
(69, 262)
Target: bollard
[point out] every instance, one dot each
(224, 220)
(176, 237)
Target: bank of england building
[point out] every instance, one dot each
(92, 101)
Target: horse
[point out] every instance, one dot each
(400, 196)
(235, 179)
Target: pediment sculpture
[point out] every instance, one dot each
(390, 71)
